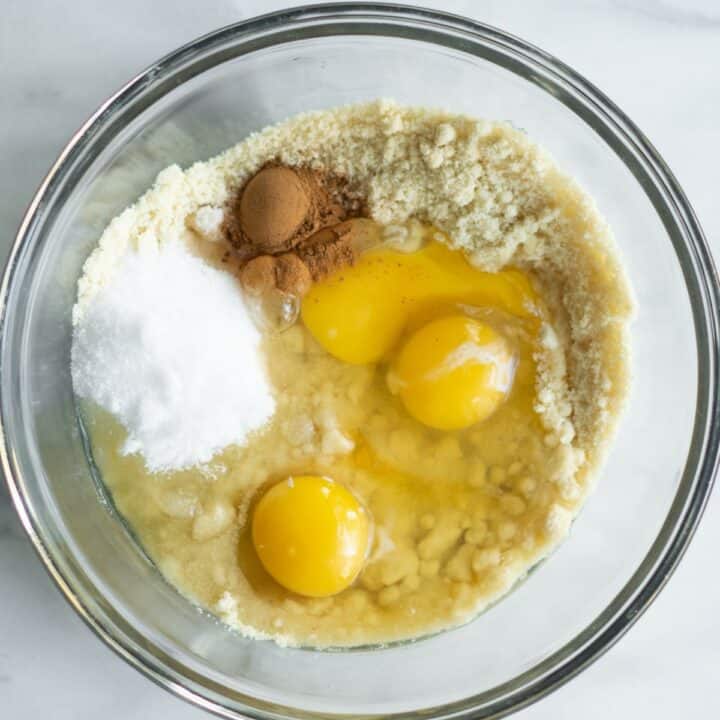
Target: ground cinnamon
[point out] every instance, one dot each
(327, 250)
(286, 272)
(273, 208)
(289, 227)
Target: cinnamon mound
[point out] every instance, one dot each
(273, 208)
(280, 206)
(289, 226)
(286, 272)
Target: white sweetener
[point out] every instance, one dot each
(168, 347)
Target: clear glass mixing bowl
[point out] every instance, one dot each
(211, 94)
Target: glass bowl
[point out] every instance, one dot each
(209, 95)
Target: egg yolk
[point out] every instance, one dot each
(453, 372)
(360, 313)
(311, 534)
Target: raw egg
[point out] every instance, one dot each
(360, 313)
(311, 534)
(453, 372)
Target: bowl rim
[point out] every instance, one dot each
(694, 256)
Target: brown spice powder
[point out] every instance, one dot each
(327, 250)
(289, 227)
(280, 206)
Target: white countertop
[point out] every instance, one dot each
(658, 60)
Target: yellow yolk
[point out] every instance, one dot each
(360, 313)
(311, 534)
(452, 372)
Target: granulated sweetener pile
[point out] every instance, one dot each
(169, 347)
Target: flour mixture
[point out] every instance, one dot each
(351, 379)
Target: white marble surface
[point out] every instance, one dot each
(657, 60)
